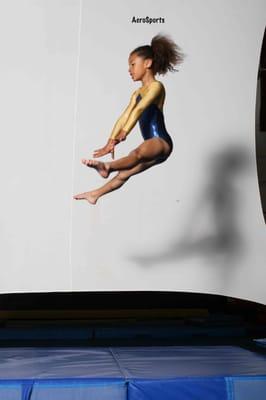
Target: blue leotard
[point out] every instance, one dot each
(151, 123)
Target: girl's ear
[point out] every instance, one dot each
(148, 63)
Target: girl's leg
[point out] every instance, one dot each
(116, 182)
(149, 150)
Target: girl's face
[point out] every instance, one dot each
(138, 66)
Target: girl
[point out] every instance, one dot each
(145, 106)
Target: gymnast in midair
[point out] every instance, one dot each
(145, 106)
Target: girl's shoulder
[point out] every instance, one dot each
(154, 85)
(157, 86)
(158, 83)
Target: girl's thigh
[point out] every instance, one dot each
(142, 166)
(153, 149)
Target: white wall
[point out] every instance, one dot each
(193, 223)
(38, 62)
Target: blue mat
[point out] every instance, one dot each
(134, 373)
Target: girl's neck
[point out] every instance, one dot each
(146, 81)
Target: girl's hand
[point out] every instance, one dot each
(108, 148)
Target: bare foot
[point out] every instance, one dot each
(100, 166)
(89, 196)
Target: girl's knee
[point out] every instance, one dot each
(138, 154)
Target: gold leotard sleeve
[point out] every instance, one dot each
(153, 91)
(124, 116)
(130, 116)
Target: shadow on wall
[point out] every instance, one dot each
(212, 230)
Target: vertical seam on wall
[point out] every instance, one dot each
(74, 141)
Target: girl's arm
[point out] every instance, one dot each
(129, 118)
(124, 117)
(112, 141)
(153, 92)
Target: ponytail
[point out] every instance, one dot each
(164, 52)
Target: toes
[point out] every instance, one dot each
(89, 163)
(79, 196)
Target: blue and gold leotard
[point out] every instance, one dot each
(146, 106)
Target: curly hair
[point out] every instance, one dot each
(164, 52)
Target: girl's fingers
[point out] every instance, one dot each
(100, 153)
(99, 150)
(103, 151)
